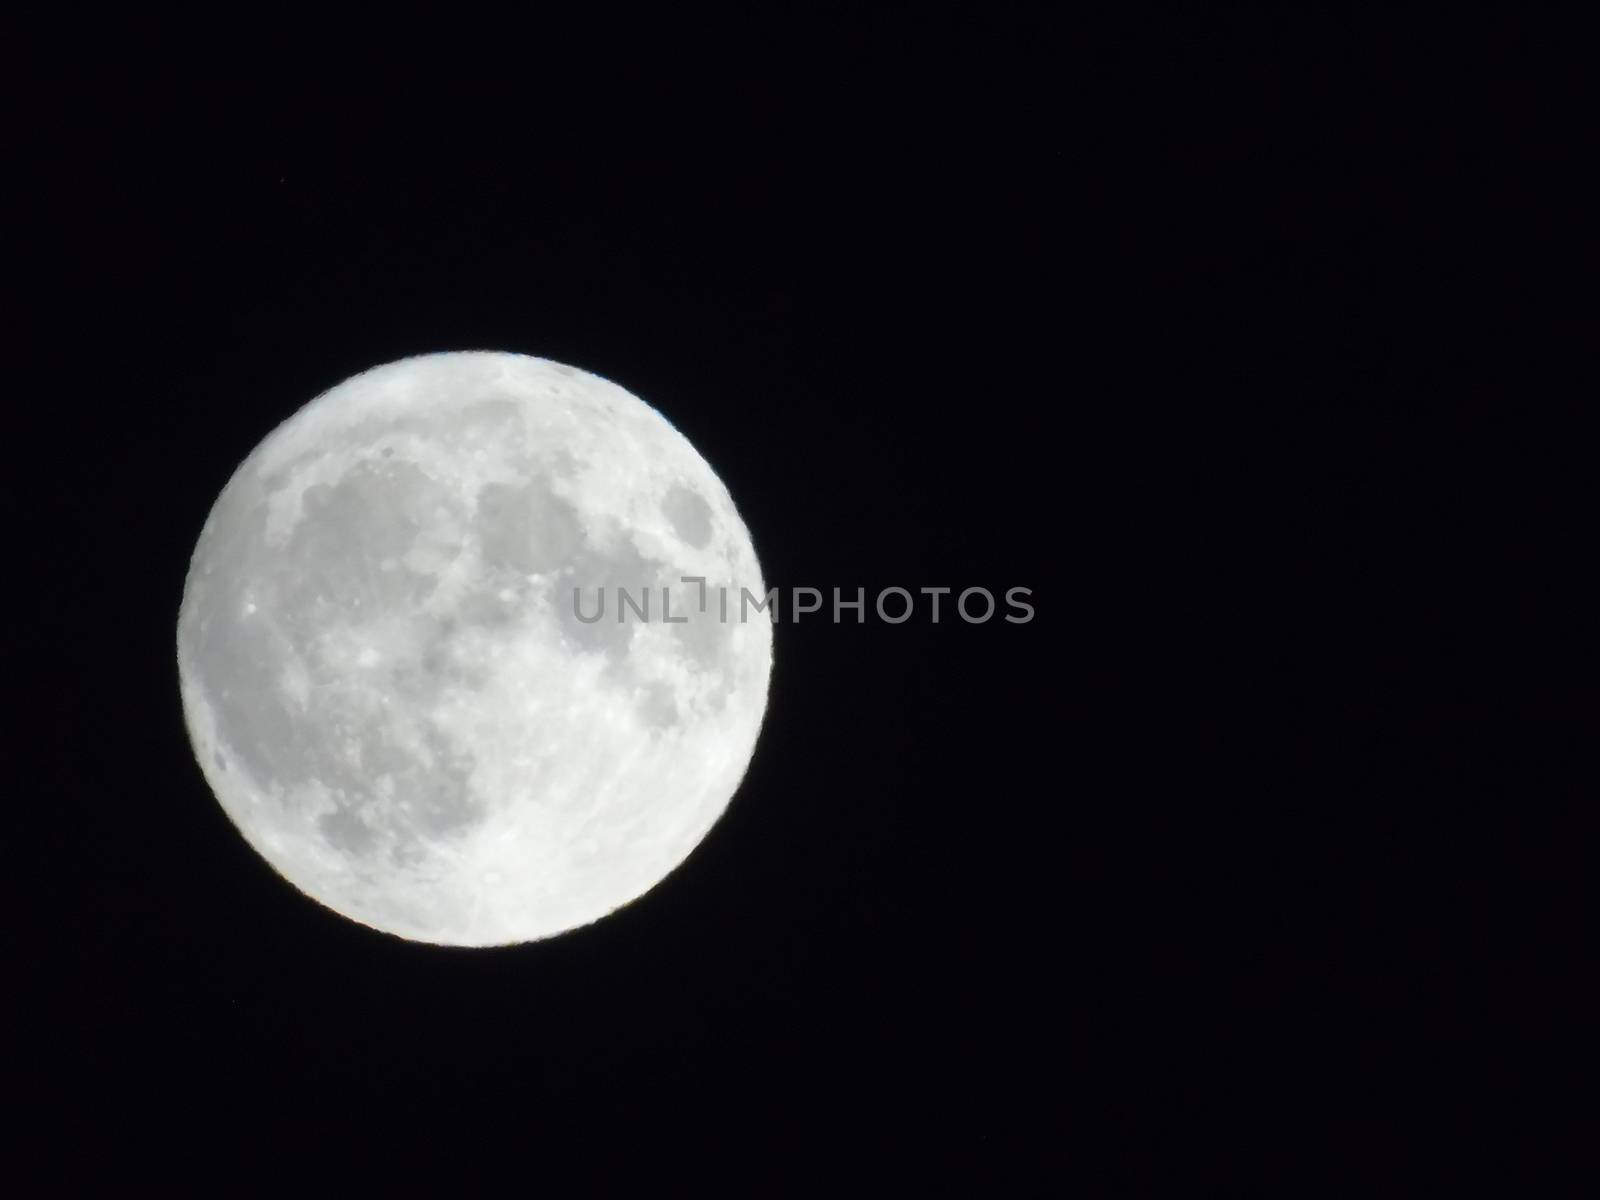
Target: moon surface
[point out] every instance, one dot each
(384, 673)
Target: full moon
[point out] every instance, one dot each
(390, 663)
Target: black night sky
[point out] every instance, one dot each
(1170, 323)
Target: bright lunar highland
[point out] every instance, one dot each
(385, 677)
